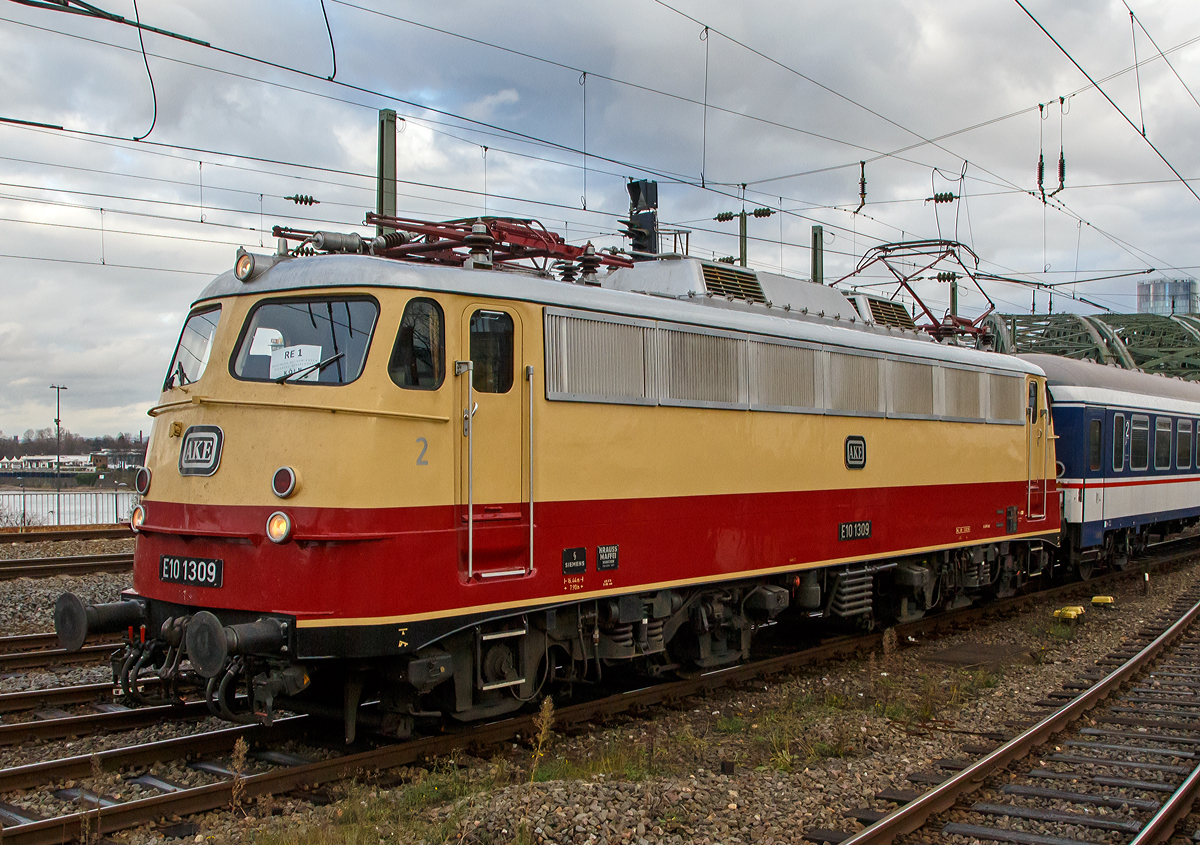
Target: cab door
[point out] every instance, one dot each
(493, 511)
(1036, 444)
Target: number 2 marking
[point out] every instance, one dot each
(421, 462)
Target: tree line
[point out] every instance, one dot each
(42, 442)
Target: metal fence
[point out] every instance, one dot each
(75, 507)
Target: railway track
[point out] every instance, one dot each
(288, 774)
(155, 799)
(1137, 756)
(41, 651)
(47, 567)
(85, 532)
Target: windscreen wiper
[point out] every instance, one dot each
(303, 372)
(183, 379)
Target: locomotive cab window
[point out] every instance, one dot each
(418, 359)
(1032, 407)
(1118, 444)
(1162, 443)
(1139, 443)
(1183, 444)
(309, 341)
(1095, 447)
(492, 351)
(195, 345)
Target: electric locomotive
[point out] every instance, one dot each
(417, 472)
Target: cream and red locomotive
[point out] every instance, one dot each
(410, 472)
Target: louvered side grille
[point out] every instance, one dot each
(962, 393)
(597, 359)
(700, 367)
(784, 376)
(723, 280)
(912, 388)
(1007, 395)
(853, 383)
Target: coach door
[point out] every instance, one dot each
(493, 510)
(1093, 475)
(1035, 452)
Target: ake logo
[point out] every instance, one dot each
(856, 452)
(200, 453)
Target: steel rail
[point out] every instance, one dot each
(17, 702)
(85, 532)
(914, 815)
(48, 567)
(94, 723)
(33, 775)
(48, 640)
(89, 654)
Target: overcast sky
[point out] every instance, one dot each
(105, 241)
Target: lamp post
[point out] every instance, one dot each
(58, 389)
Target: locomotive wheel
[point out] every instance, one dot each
(1084, 568)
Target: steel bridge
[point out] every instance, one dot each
(1168, 346)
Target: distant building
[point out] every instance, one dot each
(40, 466)
(1167, 296)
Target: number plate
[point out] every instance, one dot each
(193, 571)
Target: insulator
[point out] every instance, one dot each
(303, 199)
(724, 217)
(1041, 169)
(387, 240)
(946, 196)
(1062, 169)
(480, 240)
(763, 212)
(945, 276)
(589, 262)
(565, 269)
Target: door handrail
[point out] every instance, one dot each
(529, 378)
(468, 367)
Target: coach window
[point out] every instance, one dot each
(1095, 446)
(1118, 442)
(1139, 443)
(1183, 445)
(1162, 443)
(492, 351)
(418, 359)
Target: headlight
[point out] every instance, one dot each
(279, 527)
(283, 482)
(141, 481)
(137, 518)
(243, 268)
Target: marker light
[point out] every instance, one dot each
(279, 527)
(137, 518)
(141, 481)
(283, 482)
(243, 268)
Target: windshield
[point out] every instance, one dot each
(195, 345)
(315, 341)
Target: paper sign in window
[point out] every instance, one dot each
(286, 360)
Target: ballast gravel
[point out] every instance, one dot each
(804, 749)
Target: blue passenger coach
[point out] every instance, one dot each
(1127, 457)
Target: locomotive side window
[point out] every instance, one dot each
(1162, 443)
(1118, 452)
(1183, 445)
(492, 351)
(418, 359)
(1139, 443)
(308, 341)
(195, 345)
(1095, 447)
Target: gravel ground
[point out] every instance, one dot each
(27, 604)
(805, 748)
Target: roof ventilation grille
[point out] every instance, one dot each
(723, 280)
(888, 312)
